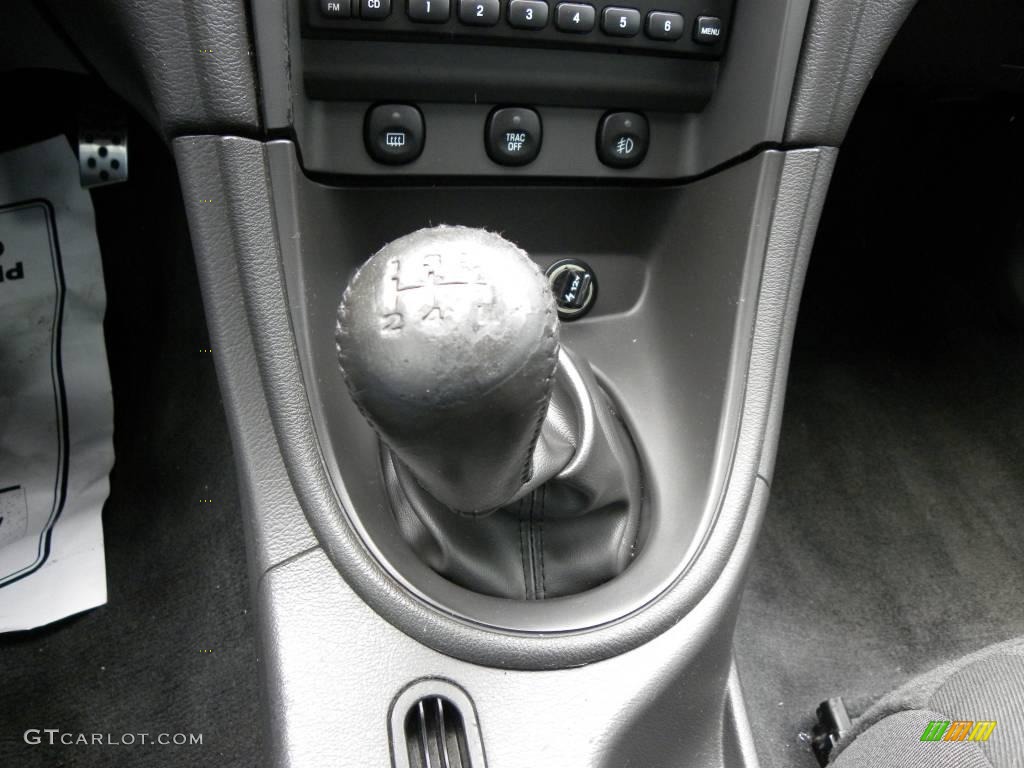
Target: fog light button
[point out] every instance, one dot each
(622, 139)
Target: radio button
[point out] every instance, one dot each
(575, 17)
(664, 26)
(429, 11)
(620, 22)
(374, 10)
(479, 13)
(528, 14)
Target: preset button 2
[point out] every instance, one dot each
(479, 13)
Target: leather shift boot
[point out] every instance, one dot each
(571, 526)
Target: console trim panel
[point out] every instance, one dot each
(244, 185)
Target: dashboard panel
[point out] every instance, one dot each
(697, 104)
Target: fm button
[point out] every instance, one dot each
(513, 135)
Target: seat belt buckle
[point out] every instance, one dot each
(832, 726)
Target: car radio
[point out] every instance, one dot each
(556, 89)
(694, 28)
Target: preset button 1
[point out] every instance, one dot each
(513, 135)
(430, 11)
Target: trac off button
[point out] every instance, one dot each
(513, 135)
(622, 139)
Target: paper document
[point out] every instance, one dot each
(56, 408)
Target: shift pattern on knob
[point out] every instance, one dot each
(448, 340)
(435, 289)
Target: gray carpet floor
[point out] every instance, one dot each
(894, 539)
(173, 650)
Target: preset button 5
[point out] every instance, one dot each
(620, 22)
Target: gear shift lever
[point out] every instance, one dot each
(506, 467)
(448, 340)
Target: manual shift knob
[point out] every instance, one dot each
(448, 341)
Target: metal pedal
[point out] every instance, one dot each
(102, 155)
(833, 724)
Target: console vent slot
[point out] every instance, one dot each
(436, 735)
(433, 725)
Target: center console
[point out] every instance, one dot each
(504, 295)
(501, 295)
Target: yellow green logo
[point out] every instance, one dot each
(958, 730)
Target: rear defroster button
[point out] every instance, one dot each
(394, 133)
(513, 135)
